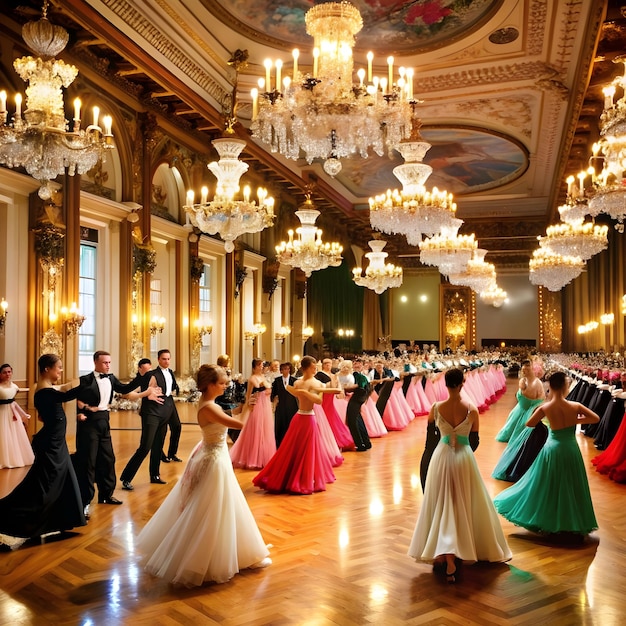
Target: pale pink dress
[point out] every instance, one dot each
(327, 439)
(256, 443)
(397, 413)
(15, 448)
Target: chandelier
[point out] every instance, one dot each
(448, 251)
(39, 140)
(324, 113)
(577, 238)
(554, 271)
(225, 215)
(609, 193)
(494, 296)
(308, 251)
(414, 211)
(478, 274)
(379, 275)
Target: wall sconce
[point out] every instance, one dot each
(251, 335)
(4, 305)
(157, 324)
(72, 319)
(203, 329)
(607, 318)
(307, 333)
(348, 333)
(282, 333)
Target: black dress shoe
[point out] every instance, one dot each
(175, 459)
(157, 480)
(109, 500)
(164, 459)
(127, 486)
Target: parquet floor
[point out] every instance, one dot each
(339, 556)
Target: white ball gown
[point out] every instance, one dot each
(204, 530)
(457, 515)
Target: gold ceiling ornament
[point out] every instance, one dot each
(379, 276)
(225, 214)
(40, 139)
(324, 113)
(414, 211)
(554, 271)
(306, 250)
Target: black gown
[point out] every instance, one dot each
(48, 499)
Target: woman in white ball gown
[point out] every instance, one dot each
(457, 520)
(204, 530)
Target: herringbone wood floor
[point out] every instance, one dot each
(339, 556)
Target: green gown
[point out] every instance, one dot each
(553, 495)
(519, 415)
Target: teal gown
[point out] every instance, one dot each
(519, 415)
(553, 495)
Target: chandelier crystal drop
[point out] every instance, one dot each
(379, 275)
(39, 140)
(478, 274)
(325, 113)
(554, 271)
(578, 239)
(414, 211)
(448, 251)
(307, 251)
(224, 215)
(609, 154)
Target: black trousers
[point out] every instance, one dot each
(150, 443)
(355, 422)
(95, 459)
(173, 421)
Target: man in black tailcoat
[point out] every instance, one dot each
(286, 406)
(94, 459)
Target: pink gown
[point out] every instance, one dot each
(300, 465)
(337, 425)
(397, 413)
(327, 438)
(372, 419)
(416, 397)
(256, 443)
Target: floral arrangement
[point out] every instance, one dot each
(49, 244)
(196, 268)
(144, 258)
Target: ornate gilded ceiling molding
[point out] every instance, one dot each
(142, 26)
(510, 112)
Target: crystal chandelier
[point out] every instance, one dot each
(324, 113)
(448, 251)
(225, 215)
(577, 238)
(39, 140)
(609, 192)
(379, 275)
(308, 251)
(494, 296)
(554, 271)
(478, 275)
(414, 211)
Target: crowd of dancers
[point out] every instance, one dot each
(294, 431)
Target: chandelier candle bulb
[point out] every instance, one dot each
(77, 112)
(96, 115)
(18, 106)
(390, 66)
(268, 68)
(608, 92)
(295, 53)
(3, 101)
(370, 60)
(255, 103)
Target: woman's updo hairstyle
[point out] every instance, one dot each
(454, 378)
(47, 361)
(209, 375)
(557, 381)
